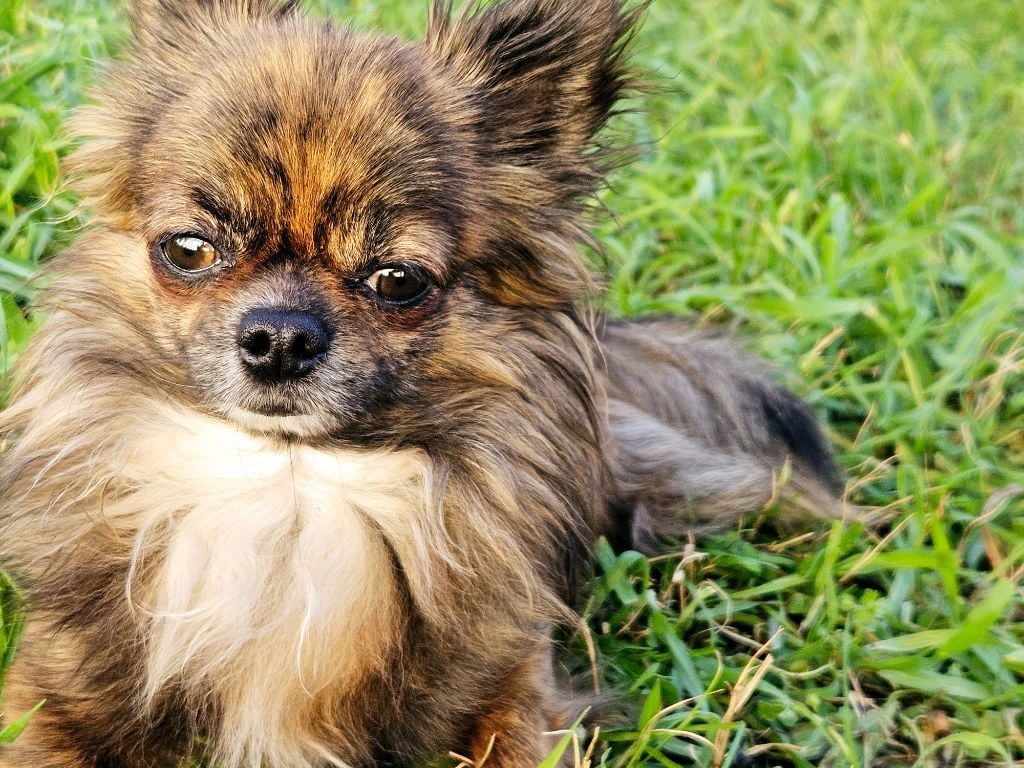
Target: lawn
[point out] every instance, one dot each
(843, 183)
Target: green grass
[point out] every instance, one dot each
(843, 182)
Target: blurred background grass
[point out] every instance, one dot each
(843, 183)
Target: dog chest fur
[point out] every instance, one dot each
(273, 588)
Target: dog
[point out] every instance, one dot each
(307, 458)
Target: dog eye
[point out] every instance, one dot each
(401, 285)
(190, 253)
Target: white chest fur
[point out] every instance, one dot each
(261, 574)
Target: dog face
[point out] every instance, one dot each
(304, 213)
(324, 233)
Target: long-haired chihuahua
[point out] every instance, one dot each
(306, 460)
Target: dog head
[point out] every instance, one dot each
(322, 233)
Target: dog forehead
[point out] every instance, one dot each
(319, 130)
(321, 99)
(326, 86)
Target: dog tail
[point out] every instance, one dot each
(701, 435)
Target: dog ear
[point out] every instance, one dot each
(542, 77)
(173, 21)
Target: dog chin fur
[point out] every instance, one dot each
(300, 426)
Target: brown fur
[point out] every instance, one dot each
(373, 581)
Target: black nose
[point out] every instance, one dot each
(281, 344)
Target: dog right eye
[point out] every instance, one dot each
(190, 253)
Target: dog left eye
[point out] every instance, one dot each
(401, 285)
(190, 253)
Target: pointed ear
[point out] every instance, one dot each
(543, 76)
(168, 21)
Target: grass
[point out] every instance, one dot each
(843, 182)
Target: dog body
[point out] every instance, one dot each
(308, 456)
